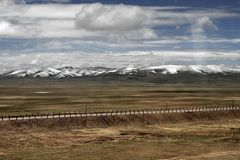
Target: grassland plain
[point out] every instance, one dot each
(37, 96)
(185, 136)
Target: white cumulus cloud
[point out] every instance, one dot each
(124, 21)
(15, 29)
(11, 2)
(202, 24)
(98, 21)
(111, 17)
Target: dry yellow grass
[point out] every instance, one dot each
(186, 139)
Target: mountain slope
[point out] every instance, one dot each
(166, 73)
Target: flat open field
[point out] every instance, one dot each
(63, 96)
(185, 136)
(199, 139)
(26, 96)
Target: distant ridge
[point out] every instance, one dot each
(97, 71)
(164, 73)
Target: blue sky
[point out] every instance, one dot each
(118, 32)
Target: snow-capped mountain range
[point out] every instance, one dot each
(65, 72)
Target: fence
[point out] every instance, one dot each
(121, 112)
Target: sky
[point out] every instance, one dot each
(118, 33)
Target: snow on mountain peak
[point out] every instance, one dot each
(95, 71)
